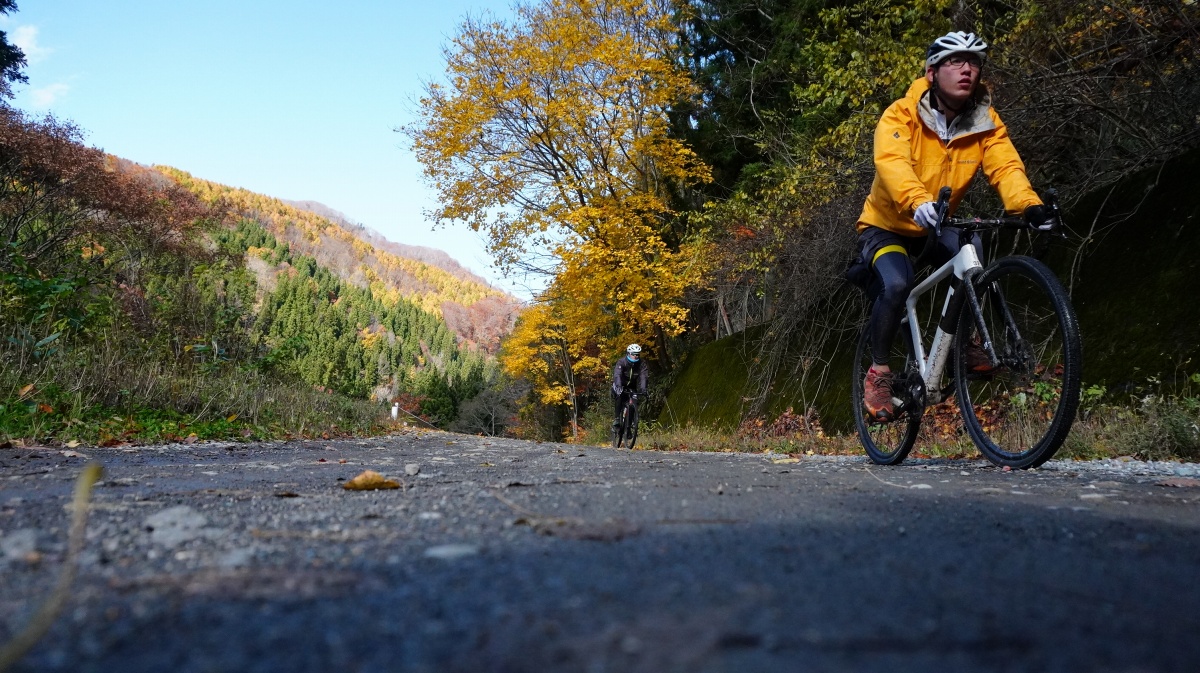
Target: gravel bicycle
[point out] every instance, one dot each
(628, 430)
(1017, 411)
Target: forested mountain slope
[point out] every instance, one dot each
(433, 256)
(144, 304)
(476, 312)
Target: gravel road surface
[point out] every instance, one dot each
(502, 555)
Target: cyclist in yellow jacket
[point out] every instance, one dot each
(941, 133)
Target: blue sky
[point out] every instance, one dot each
(297, 99)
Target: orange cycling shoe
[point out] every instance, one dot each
(877, 395)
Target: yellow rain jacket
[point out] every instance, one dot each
(912, 162)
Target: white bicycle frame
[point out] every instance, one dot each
(963, 265)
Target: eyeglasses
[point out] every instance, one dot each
(634, 356)
(959, 60)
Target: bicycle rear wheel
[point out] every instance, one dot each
(889, 443)
(1019, 414)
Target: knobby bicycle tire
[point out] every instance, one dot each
(885, 443)
(1020, 413)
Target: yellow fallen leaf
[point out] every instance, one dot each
(231, 418)
(778, 461)
(73, 443)
(370, 480)
(25, 391)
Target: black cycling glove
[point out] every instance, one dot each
(1039, 217)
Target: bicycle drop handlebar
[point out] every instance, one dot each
(973, 224)
(970, 225)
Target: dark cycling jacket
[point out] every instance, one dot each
(624, 373)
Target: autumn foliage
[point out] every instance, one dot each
(69, 214)
(551, 135)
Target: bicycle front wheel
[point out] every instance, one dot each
(1019, 407)
(632, 432)
(888, 443)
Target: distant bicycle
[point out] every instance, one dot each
(1019, 407)
(628, 430)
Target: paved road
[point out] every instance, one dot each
(502, 555)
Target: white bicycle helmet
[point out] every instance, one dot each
(633, 349)
(954, 43)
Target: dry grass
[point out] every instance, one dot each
(1156, 427)
(105, 391)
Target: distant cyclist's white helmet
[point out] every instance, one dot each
(633, 349)
(956, 42)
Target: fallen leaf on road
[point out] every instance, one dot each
(1179, 482)
(780, 461)
(73, 443)
(370, 480)
(73, 454)
(287, 494)
(191, 439)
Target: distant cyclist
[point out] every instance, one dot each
(941, 133)
(629, 378)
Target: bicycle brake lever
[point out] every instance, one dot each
(943, 208)
(1051, 199)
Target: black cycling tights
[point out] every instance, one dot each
(893, 279)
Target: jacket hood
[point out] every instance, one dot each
(975, 120)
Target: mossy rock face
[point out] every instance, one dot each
(1135, 291)
(710, 388)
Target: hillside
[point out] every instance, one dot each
(432, 256)
(476, 312)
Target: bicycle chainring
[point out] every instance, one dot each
(909, 389)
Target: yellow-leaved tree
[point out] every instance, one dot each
(550, 135)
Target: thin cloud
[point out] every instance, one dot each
(48, 95)
(26, 38)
